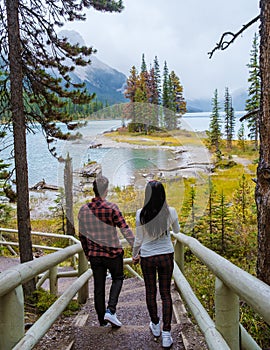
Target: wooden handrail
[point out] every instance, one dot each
(231, 283)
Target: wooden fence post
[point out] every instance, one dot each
(179, 257)
(83, 266)
(68, 180)
(53, 280)
(11, 318)
(227, 314)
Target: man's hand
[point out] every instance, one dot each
(136, 259)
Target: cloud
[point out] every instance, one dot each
(180, 32)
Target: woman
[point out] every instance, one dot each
(154, 249)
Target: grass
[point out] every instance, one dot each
(174, 138)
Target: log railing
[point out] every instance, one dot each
(12, 327)
(231, 284)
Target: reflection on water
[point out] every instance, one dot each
(118, 164)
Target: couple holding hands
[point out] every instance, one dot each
(152, 247)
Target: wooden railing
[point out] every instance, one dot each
(231, 284)
(12, 327)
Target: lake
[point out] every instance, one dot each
(118, 164)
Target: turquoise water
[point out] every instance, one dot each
(118, 164)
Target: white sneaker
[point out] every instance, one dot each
(112, 319)
(155, 328)
(167, 340)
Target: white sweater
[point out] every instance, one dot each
(149, 246)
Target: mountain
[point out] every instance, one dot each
(105, 81)
(239, 98)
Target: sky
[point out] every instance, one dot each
(179, 32)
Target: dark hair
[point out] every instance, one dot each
(154, 214)
(100, 186)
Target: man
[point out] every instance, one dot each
(98, 221)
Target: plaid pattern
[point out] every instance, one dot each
(163, 265)
(97, 228)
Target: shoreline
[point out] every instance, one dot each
(197, 157)
(186, 162)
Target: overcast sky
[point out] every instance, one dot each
(182, 33)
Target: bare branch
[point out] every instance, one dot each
(228, 38)
(249, 114)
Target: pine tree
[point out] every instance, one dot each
(30, 49)
(229, 118)
(143, 65)
(188, 211)
(254, 92)
(166, 97)
(214, 133)
(157, 80)
(178, 101)
(241, 137)
(224, 222)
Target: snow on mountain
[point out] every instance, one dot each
(105, 81)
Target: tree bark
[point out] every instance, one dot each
(19, 132)
(263, 171)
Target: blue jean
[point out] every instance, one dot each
(99, 266)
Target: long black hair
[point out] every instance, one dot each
(155, 212)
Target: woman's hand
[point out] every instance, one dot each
(136, 259)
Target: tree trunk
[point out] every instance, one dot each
(263, 170)
(19, 132)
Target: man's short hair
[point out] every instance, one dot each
(100, 186)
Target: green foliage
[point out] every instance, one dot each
(254, 325)
(214, 133)
(229, 118)
(49, 92)
(254, 92)
(6, 192)
(58, 211)
(147, 98)
(43, 300)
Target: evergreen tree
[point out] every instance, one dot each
(229, 118)
(130, 93)
(241, 137)
(143, 65)
(214, 133)
(30, 49)
(166, 97)
(224, 221)
(188, 211)
(254, 92)
(157, 78)
(178, 101)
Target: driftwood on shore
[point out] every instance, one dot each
(95, 145)
(42, 185)
(206, 165)
(90, 170)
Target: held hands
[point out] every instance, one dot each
(136, 259)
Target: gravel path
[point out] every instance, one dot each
(81, 330)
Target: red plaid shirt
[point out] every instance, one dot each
(97, 228)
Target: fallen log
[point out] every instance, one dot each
(90, 170)
(42, 185)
